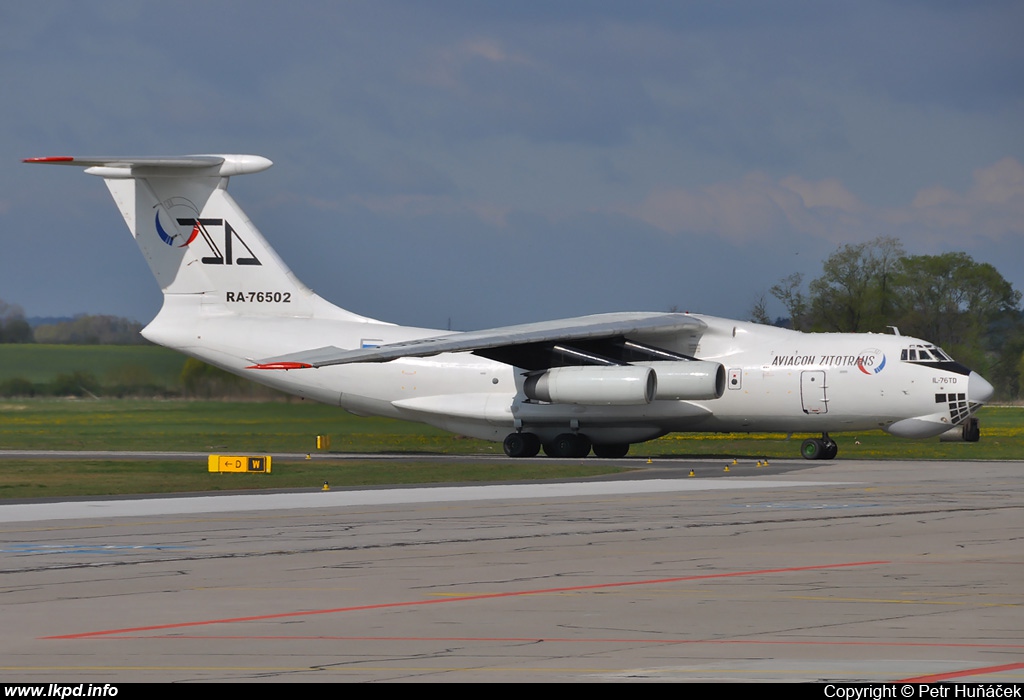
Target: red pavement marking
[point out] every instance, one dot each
(984, 670)
(461, 599)
(575, 640)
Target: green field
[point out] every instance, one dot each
(292, 426)
(40, 364)
(36, 478)
(212, 426)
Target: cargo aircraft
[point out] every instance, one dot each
(592, 383)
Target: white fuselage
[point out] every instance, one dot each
(601, 381)
(777, 380)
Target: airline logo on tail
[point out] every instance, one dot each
(201, 227)
(169, 238)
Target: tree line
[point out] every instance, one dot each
(196, 380)
(964, 306)
(83, 329)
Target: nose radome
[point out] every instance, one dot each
(978, 389)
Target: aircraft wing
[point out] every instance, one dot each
(508, 344)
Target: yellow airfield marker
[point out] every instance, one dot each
(238, 464)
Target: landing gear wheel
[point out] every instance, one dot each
(616, 451)
(568, 445)
(521, 445)
(812, 448)
(972, 433)
(819, 448)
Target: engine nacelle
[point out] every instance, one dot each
(616, 385)
(695, 380)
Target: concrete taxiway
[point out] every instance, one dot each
(844, 571)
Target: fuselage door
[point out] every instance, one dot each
(813, 392)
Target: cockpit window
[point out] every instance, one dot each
(927, 355)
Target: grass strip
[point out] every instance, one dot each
(58, 478)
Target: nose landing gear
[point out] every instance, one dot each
(819, 448)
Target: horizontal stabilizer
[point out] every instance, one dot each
(108, 166)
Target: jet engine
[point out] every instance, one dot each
(613, 385)
(628, 385)
(695, 380)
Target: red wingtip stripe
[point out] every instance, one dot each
(50, 159)
(281, 365)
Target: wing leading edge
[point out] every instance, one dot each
(513, 344)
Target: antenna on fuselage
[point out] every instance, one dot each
(895, 330)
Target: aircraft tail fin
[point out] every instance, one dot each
(199, 244)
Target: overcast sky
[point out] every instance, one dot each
(503, 162)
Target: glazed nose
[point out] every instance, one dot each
(978, 390)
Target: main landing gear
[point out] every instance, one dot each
(615, 451)
(521, 445)
(819, 448)
(566, 445)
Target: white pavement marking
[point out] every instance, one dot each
(74, 510)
